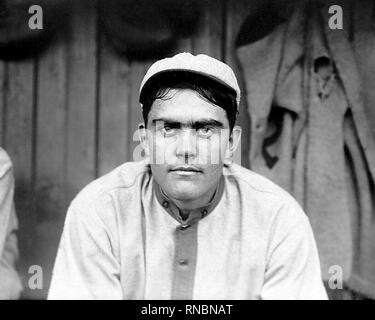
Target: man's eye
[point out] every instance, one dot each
(205, 132)
(168, 131)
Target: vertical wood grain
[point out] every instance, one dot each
(209, 36)
(19, 117)
(81, 98)
(114, 82)
(18, 142)
(183, 45)
(51, 152)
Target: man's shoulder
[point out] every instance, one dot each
(259, 191)
(256, 182)
(5, 162)
(123, 177)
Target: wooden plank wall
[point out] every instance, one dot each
(70, 115)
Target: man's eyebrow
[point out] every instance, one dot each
(207, 123)
(166, 121)
(194, 124)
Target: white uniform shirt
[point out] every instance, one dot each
(124, 239)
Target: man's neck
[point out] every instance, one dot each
(188, 205)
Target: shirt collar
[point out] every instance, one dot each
(193, 215)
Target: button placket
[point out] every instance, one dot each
(184, 261)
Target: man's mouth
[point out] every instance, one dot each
(186, 170)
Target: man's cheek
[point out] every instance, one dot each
(209, 155)
(209, 151)
(162, 151)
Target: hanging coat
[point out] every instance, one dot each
(310, 133)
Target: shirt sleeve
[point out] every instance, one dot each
(85, 267)
(293, 268)
(10, 284)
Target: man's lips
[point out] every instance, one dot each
(186, 169)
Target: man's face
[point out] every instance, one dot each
(187, 137)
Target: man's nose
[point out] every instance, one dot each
(186, 144)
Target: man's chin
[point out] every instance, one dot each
(184, 191)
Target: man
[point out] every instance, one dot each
(10, 284)
(185, 222)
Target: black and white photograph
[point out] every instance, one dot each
(181, 150)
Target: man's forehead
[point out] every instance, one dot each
(182, 103)
(188, 119)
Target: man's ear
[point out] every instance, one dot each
(142, 133)
(234, 140)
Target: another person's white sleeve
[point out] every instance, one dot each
(10, 284)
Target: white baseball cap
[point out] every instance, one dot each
(200, 64)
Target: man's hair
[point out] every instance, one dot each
(209, 89)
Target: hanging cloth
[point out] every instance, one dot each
(310, 131)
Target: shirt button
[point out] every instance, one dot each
(204, 212)
(165, 204)
(183, 262)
